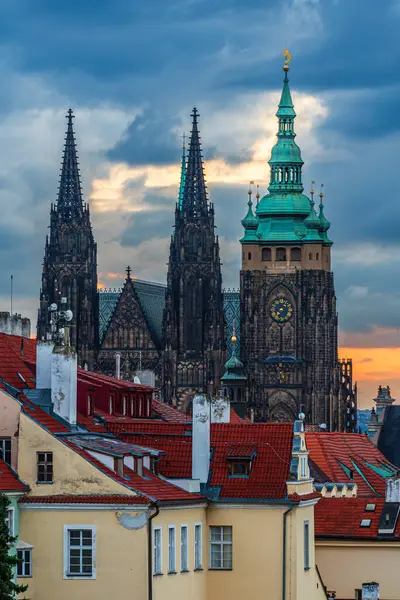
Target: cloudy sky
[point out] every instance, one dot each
(132, 72)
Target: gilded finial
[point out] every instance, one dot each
(312, 191)
(321, 194)
(288, 58)
(233, 338)
(250, 190)
(258, 194)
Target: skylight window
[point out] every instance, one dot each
(365, 523)
(370, 508)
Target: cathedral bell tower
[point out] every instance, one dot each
(70, 259)
(194, 320)
(288, 305)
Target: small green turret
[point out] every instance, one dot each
(250, 221)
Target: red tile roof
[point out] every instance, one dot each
(270, 466)
(169, 413)
(354, 451)
(9, 481)
(150, 486)
(341, 518)
(84, 499)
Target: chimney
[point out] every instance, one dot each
(118, 366)
(393, 490)
(370, 591)
(64, 375)
(220, 410)
(201, 438)
(44, 352)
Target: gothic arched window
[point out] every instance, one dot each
(249, 256)
(266, 254)
(295, 254)
(281, 254)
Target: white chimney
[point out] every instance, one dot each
(393, 490)
(44, 352)
(220, 410)
(118, 366)
(200, 438)
(64, 375)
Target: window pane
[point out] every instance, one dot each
(227, 556)
(216, 534)
(227, 534)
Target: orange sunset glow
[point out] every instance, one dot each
(372, 367)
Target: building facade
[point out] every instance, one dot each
(70, 259)
(288, 319)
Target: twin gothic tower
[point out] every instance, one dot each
(288, 320)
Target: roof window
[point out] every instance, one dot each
(370, 508)
(239, 468)
(365, 523)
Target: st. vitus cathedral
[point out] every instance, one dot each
(181, 334)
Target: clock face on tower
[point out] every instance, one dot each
(281, 310)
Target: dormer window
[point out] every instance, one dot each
(239, 459)
(124, 405)
(239, 468)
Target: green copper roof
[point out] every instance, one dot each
(250, 222)
(285, 214)
(233, 366)
(323, 223)
(285, 108)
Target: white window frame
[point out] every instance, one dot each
(67, 529)
(10, 519)
(172, 550)
(22, 565)
(3, 442)
(306, 533)
(156, 570)
(221, 543)
(303, 466)
(184, 566)
(198, 564)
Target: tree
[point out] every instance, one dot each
(8, 588)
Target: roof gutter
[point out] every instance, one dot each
(285, 514)
(150, 549)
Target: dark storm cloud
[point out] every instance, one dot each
(148, 140)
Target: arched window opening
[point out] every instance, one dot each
(266, 254)
(249, 256)
(309, 256)
(295, 255)
(317, 256)
(281, 254)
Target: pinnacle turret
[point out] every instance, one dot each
(183, 175)
(194, 199)
(69, 200)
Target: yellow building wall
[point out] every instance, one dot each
(257, 555)
(9, 421)
(182, 586)
(72, 473)
(121, 556)
(345, 566)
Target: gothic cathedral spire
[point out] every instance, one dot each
(70, 259)
(194, 321)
